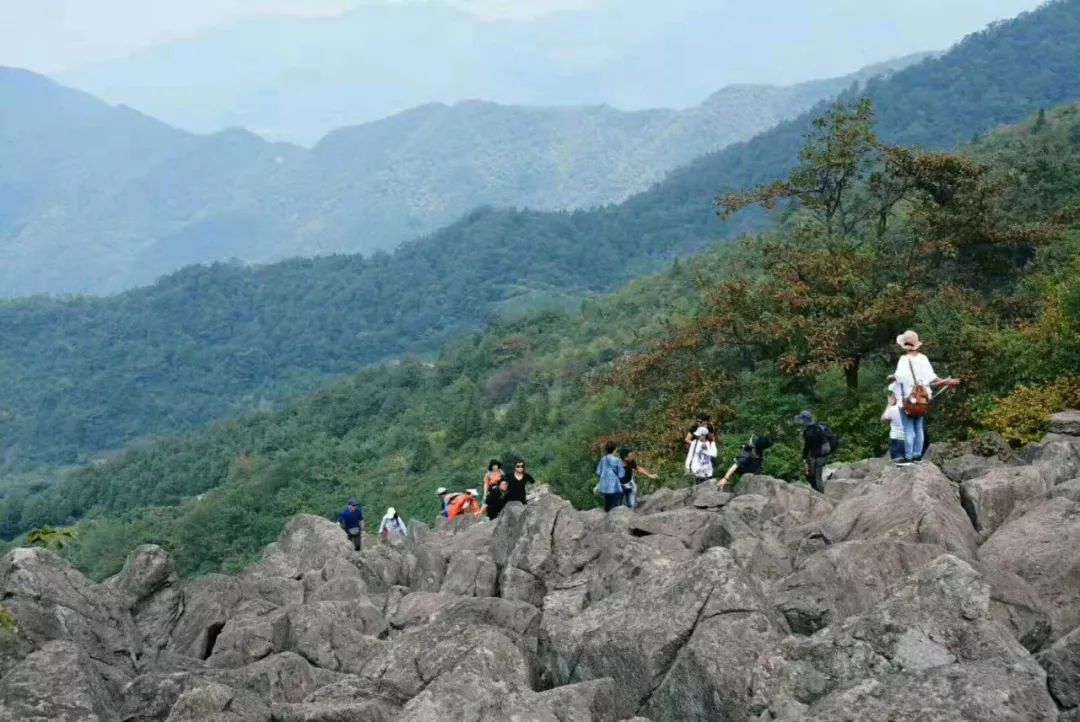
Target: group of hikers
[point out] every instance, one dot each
(909, 396)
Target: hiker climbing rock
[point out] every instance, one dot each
(464, 503)
(819, 443)
(444, 500)
(392, 526)
(518, 481)
(631, 468)
(749, 461)
(351, 520)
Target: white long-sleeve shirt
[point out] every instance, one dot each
(699, 459)
(394, 527)
(905, 382)
(896, 426)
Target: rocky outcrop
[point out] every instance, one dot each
(918, 593)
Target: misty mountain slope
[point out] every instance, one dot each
(296, 79)
(82, 375)
(101, 199)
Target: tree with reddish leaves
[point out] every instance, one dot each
(870, 233)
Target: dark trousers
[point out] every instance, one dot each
(355, 539)
(815, 465)
(896, 449)
(612, 500)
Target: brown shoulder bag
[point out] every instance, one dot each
(917, 402)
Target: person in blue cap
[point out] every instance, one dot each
(351, 520)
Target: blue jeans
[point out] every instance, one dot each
(913, 435)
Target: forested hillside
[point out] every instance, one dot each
(82, 375)
(144, 199)
(634, 366)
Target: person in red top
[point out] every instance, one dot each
(463, 504)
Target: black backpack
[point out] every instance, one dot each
(831, 444)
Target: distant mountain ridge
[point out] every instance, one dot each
(99, 199)
(86, 374)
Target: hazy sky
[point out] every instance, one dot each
(54, 35)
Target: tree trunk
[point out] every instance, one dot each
(851, 373)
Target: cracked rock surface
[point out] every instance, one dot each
(901, 594)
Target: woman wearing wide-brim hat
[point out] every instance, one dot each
(915, 378)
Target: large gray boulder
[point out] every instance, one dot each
(936, 628)
(968, 466)
(676, 643)
(307, 543)
(51, 601)
(517, 619)
(991, 498)
(1057, 454)
(848, 578)
(1040, 548)
(57, 683)
(208, 603)
(584, 702)
(1069, 489)
(917, 504)
(1066, 423)
(1062, 665)
(147, 570)
(215, 702)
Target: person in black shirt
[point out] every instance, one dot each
(815, 451)
(630, 470)
(517, 482)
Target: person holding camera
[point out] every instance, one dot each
(701, 455)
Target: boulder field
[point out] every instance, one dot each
(929, 593)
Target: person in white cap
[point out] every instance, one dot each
(392, 526)
(915, 378)
(444, 499)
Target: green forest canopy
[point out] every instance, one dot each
(81, 376)
(552, 385)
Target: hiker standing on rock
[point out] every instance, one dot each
(518, 482)
(492, 475)
(915, 379)
(631, 469)
(392, 526)
(610, 471)
(351, 520)
(819, 443)
(891, 416)
(444, 500)
(701, 455)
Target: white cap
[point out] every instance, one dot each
(441, 490)
(391, 513)
(472, 492)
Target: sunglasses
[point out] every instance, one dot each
(519, 466)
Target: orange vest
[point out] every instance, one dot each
(462, 504)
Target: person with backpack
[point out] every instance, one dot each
(351, 520)
(444, 500)
(701, 455)
(819, 443)
(915, 379)
(392, 526)
(610, 471)
(749, 461)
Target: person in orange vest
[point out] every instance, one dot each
(463, 504)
